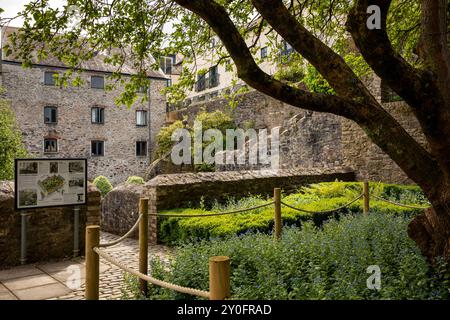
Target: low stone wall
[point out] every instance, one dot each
(49, 230)
(120, 209)
(181, 190)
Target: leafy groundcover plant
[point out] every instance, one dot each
(316, 197)
(311, 263)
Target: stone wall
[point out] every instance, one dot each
(254, 110)
(120, 209)
(49, 230)
(317, 140)
(307, 139)
(74, 131)
(366, 158)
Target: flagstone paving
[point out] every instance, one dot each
(65, 279)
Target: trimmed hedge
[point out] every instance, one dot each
(316, 197)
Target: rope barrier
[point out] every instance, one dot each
(126, 235)
(323, 212)
(210, 214)
(398, 204)
(164, 284)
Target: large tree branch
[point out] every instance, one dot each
(418, 88)
(381, 127)
(330, 64)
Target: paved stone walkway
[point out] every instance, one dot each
(58, 280)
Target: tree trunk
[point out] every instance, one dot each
(431, 229)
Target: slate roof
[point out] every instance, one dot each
(95, 64)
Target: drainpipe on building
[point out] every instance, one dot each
(150, 140)
(1, 62)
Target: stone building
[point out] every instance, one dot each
(84, 121)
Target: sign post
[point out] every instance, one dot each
(76, 231)
(53, 182)
(23, 237)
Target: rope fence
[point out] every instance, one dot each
(211, 214)
(152, 280)
(219, 266)
(326, 211)
(399, 204)
(126, 235)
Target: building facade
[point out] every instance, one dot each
(219, 79)
(84, 121)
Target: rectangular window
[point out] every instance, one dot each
(49, 79)
(50, 145)
(141, 148)
(97, 148)
(264, 53)
(97, 82)
(286, 52)
(213, 77)
(166, 64)
(200, 85)
(98, 115)
(141, 118)
(50, 115)
(173, 57)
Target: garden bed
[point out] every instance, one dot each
(317, 197)
(332, 262)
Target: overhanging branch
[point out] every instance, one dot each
(380, 126)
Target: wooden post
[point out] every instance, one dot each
(92, 262)
(219, 278)
(277, 217)
(366, 197)
(143, 244)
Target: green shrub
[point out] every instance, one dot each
(103, 185)
(313, 263)
(209, 120)
(135, 180)
(316, 82)
(164, 137)
(11, 145)
(316, 197)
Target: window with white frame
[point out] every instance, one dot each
(50, 115)
(98, 115)
(141, 118)
(97, 148)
